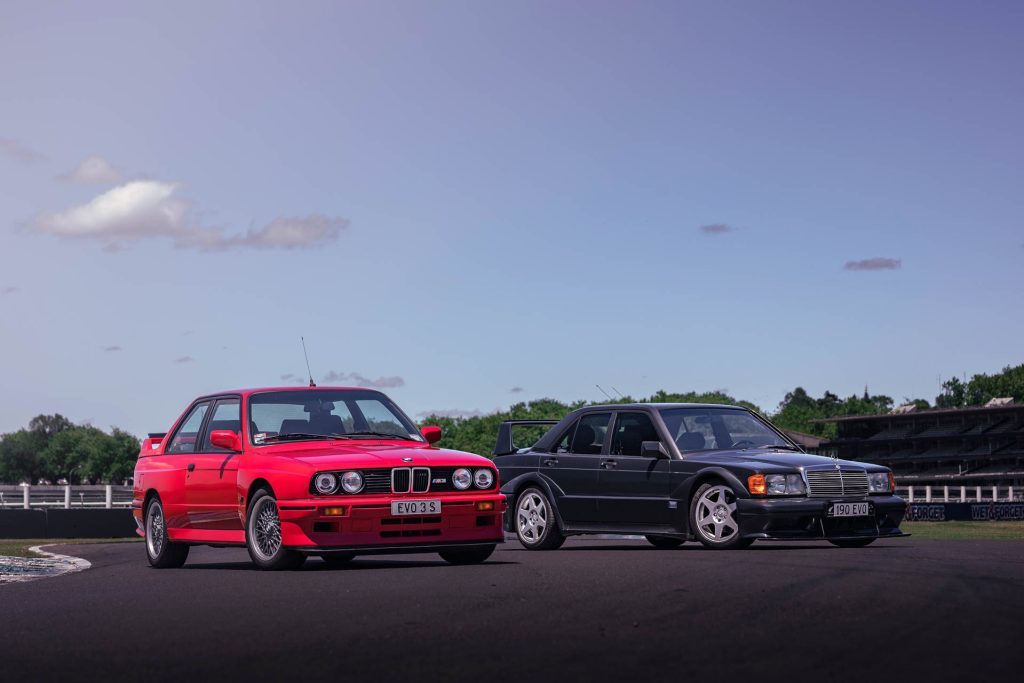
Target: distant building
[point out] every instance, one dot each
(980, 446)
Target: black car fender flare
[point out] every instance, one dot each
(687, 488)
(550, 489)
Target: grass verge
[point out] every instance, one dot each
(974, 531)
(19, 547)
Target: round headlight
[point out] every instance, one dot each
(352, 482)
(483, 479)
(462, 478)
(325, 483)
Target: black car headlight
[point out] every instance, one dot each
(880, 482)
(776, 485)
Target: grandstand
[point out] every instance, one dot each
(954, 447)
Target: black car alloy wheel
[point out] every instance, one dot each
(536, 522)
(713, 517)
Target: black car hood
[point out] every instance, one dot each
(759, 459)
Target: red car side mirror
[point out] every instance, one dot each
(225, 438)
(431, 434)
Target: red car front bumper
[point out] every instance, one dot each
(367, 523)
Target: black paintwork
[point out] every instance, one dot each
(605, 493)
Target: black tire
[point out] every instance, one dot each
(538, 529)
(160, 552)
(263, 535)
(664, 542)
(468, 556)
(712, 517)
(853, 542)
(333, 560)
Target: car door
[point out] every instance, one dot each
(173, 464)
(573, 464)
(212, 473)
(632, 488)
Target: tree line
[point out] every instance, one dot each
(53, 450)
(798, 410)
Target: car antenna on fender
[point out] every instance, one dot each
(306, 356)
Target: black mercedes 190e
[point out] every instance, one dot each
(679, 471)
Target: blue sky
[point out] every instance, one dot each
(470, 204)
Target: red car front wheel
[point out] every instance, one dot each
(263, 535)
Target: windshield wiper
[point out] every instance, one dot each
(297, 435)
(782, 447)
(383, 435)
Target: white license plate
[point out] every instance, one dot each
(415, 507)
(849, 510)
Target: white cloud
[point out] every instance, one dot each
(19, 152)
(359, 380)
(94, 170)
(144, 209)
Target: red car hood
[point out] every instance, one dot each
(335, 455)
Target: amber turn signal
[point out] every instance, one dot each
(485, 506)
(756, 485)
(334, 511)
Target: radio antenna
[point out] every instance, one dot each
(617, 392)
(306, 356)
(604, 392)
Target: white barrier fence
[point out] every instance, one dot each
(960, 494)
(86, 496)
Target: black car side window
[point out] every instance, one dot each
(562, 445)
(631, 430)
(588, 439)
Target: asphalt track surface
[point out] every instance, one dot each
(596, 610)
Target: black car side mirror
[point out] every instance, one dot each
(653, 449)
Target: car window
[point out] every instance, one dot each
(586, 436)
(379, 418)
(631, 430)
(227, 415)
(702, 429)
(326, 412)
(184, 440)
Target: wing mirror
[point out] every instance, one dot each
(225, 438)
(653, 449)
(431, 433)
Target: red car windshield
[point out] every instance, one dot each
(324, 414)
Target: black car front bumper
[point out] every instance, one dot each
(786, 519)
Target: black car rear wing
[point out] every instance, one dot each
(506, 445)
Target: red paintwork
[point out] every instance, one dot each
(208, 504)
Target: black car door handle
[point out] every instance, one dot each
(191, 466)
(608, 464)
(551, 461)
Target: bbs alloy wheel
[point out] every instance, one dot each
(263, 535)
(160, 552)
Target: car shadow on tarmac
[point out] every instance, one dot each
(696, 547)
(357, 564)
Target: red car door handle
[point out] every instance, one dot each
(191, 466)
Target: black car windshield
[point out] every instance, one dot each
(709, 429)
(317, 414)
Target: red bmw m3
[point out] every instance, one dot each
(289, 473)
